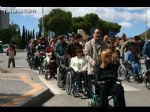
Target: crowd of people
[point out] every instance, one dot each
(97, 58)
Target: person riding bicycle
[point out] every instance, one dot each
(80, 66)
(146, 54)
(60, 53)
(50, 49)
(131, 61)
(134, 44)
(106, 77)
(40, 51)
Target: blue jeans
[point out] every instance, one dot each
(136, 68)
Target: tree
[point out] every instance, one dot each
(26, 33)
(39, 33)
(58, 21)
(78, 23)
(23, 37)
(62, 22)
(33, 34)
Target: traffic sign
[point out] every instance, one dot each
(111, 34)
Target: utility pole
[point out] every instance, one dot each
(12, 31)
(146, 25)
(43, 21)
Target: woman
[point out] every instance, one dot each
(79, 65)
(106, 76)
(107, 40)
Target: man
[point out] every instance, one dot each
(11, 52)
(60, 53)
(134, 45)
(76, 44)
(60, 49)
(146, 54)
(96, 45)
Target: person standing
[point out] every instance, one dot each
(96, 45)
(11, 53)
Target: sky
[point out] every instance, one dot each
(132, 19)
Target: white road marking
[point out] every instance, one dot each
(129, 88)
(8, 79)
(52, 84)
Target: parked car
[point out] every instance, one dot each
(5, 47)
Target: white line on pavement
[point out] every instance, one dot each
(53, 84)
(129, 88)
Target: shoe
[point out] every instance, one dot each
(84, 97)
(76, 95)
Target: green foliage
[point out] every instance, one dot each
(62, 22)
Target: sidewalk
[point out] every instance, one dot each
(18, 89)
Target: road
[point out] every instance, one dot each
(135, 93)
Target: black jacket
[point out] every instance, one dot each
(108, 74)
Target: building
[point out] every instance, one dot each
(4, 20)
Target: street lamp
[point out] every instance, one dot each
(146, 25)
(42, 22)
(12, 31)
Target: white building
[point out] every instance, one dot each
(4, 20)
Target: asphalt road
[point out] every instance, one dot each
(135, 94)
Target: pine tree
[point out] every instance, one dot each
(29, 37)
(26, 36)
(23, 37)
(19, 33)
(39, 34)
(33, 34)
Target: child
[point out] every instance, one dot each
(79, 65)
(11, 52)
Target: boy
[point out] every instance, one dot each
(11, 52)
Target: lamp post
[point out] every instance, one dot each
(12, 31)
(43, 21)
(146, 25)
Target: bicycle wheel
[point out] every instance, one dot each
(59, 75)
(131, 77)
(122, 72)
(68, 83)
(146, 78)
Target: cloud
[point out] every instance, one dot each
(106, 13)
(125, 24)
(121, 15)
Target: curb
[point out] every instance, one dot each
(38, 98)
